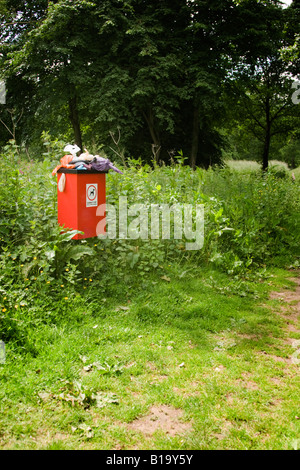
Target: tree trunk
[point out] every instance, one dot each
(74, 118)
(195, 138)
(156, 146)
(266, 150)
(267, 136)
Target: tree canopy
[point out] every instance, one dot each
(168, 76)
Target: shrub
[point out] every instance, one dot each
(250, 219)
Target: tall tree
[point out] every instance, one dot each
(17, 19)
(154, 70)
(260, 77)
(206, 63)
(53, 54)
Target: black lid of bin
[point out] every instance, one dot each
(78, 172)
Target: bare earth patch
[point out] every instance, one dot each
(225, 426)
(290, 311)
(291, 300)
(247, 384)
(164, 418)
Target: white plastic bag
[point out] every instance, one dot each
(62, 183)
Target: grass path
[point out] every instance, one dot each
(199, 362)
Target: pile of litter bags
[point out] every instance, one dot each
(85, 161)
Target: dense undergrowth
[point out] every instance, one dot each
(251, 220)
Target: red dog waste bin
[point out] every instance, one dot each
(78, 199)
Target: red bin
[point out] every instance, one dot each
(78, 200)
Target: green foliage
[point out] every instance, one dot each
(53, 147)
(250, 220)
(156, 72)
(290, 153)
(86, 323)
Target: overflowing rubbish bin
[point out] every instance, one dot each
(81, 189)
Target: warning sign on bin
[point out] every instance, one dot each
(91, 195)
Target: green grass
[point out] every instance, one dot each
(200, 343)
(297, 173)
(253, 167)
(278, 163)
(104, 340)
(244, 166)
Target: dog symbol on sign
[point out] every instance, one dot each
(91, 195)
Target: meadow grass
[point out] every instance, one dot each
(215, 349)
(141, 345)
(244, 166)
(253, 167)
(297, 173)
